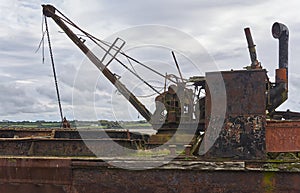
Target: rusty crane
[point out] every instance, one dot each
(251, 100)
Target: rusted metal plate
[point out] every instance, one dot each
(184, 179)
(35, 188)
(44, 171)
(245, 91)
(65, 147)
(283, 136)
(248, 93)
(242, 134)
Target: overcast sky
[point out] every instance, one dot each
(27, 86)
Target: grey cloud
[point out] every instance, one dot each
(16, 99)
(216, 25)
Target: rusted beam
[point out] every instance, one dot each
(70, 133)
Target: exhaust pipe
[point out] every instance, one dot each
(281, 32)
(255, 64)
(278, 93)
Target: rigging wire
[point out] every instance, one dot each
(177, 66)
(131, 65)
(94, 39)
(150, 95)
(54, 72)
(42, 44)
(133, 71)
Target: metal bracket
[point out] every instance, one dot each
(114, 47)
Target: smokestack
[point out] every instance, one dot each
(281, 32)
(279, 93)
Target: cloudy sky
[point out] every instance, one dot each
(27, 86)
